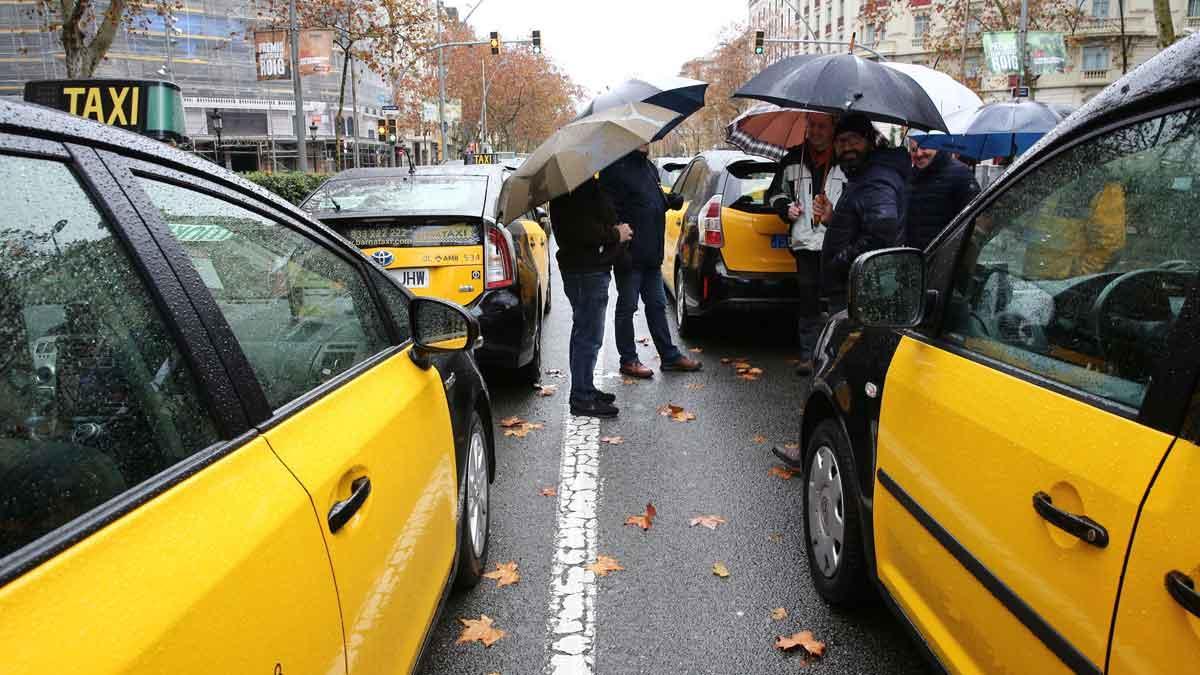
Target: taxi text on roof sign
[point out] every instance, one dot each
(149, 107)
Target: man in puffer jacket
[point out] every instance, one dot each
(941, 187)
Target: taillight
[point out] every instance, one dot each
(711, 233)
(499, 261)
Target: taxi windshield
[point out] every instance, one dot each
(416, 195)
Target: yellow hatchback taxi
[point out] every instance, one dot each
(1003, 436)
(251, 451)
(726, 248)
(435, 230)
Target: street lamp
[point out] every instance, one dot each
(312, 130)
(217, 124)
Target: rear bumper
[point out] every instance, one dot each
(746, 291)
(502, 325)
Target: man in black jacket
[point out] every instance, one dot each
(941, 187)
(632, 185)
(589, 241)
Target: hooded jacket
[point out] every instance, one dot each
(631, 184)
(794, 182)
(585, 226)
(869, 215)
(938, 193)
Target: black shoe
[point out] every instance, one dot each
(596, 408)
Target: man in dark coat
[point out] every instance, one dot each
(941, 187)
(589, 241)
(632, 185)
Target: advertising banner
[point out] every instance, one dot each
(1047, 52)
(316, 52)
(271, 54)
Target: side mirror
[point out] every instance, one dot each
(439, 326)
(887, 288)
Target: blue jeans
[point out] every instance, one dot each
(588, 294)
(648, 284)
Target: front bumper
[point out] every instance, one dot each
(502, 325)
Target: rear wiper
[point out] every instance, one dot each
(336, 206)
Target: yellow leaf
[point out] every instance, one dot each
(711, 522)
(695, 386)
(549, 492)
(644, 520)
(779, 614)
(802, 639)
(720, 570)
(760, 439)
(480, 630)
(782, 472)
(504, 574)
(509, 422)
(603, 565)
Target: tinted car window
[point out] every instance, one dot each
(94, 396)
(1079, 271)
(301, 313)
(397, 304)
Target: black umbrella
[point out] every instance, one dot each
(679, 94)
(844, 83)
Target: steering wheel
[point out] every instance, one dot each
(1132, 314)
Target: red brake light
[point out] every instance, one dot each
(498, 263)
(711, 233)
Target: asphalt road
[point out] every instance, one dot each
(666, 612)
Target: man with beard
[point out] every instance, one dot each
(942, 186)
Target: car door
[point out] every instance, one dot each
(1017, 443)
(674, 220)
(364, 428)
(144, 526)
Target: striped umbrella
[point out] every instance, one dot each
(767, 130)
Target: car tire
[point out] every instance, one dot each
(686, 322)
(474, 507)
(833, 530)
(532, 372)
(549, 289)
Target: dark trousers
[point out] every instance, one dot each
(647, 283)
(810, 319)
(588, 294)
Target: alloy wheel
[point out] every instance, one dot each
(826, 511)
(477, 492)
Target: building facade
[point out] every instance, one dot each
(207, 48)
(1094, 45)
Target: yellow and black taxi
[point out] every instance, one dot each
(669, 169)
(252, 451)
(1003, 435)
(434, 229)
(726, 248)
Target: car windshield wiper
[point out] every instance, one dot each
(336, 206)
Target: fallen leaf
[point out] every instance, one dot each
(803, 639)
(510, 422)
(782, 472)
(643, 341)
(791, 446)
(549, 492)
(628, 380)
(504, 574)
(645, 520)
(696, 350)
(741, 366)
(546, 389)
(710, 521)
(480, 630)
(676, 412)
(523, 429)
(779, 614)
(603, 565)
(612, 440)
(775, 538)
(555, 372)
(760, 439)
(747, 377)
(720, 570)
(725, 360)
(695, 386)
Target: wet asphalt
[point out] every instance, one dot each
(666, 612)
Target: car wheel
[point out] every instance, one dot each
(474, 508)
(686, 323)
(833, 532)
(532, 372)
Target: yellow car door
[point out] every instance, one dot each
(1016, 447)
(674, 225)
(143, 528)
(361, 426)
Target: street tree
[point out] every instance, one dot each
(87, 29)
(731, 63)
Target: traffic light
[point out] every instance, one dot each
(391, 130)
(494, 39)
(381, 130)
(758, 41)
(537, 42)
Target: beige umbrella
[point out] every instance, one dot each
(574, 153)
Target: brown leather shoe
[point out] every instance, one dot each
(683, 364)
(636, 369)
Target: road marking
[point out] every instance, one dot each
(572, 627)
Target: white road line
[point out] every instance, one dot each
(572, 629)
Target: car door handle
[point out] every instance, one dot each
(1083, 527)
(1183, 589)
(341, 512)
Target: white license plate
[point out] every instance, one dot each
(412, 278)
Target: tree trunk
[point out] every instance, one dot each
(81, 57)
(1166, 26)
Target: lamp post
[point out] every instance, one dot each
(217, 124)
(312, 130)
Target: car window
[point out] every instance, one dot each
(301, 313)
(94, 395)
(685, 179)
(746, 185)
(397, 304)
(1078, 272)
(697, 176)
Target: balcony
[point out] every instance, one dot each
(1093, 26)
(919, 41)
(1193, 22)
(1095, 75)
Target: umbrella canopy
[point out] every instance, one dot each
(767, 130)
(995, 129)
(948, 94)
(574, 153)
(680, 94)
(845, 83)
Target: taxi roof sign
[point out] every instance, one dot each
(152, 108)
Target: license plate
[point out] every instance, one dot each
(412, 278)
(780, 241)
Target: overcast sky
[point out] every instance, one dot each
(603, 42)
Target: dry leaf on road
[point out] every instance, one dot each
(628, 380)
(779, 614)
(555, 372)
(709, 521)
(510, 422)
(802, 639)
(645, 520)
(522, 430)
(549, 492)
(546, 389)
(504, 574)
(695, 386)
(720, 570)
(791, 446)
(760, 439)
(603, 565)
(612, 440)
(480, 630)
(775, 538)
(781, 471)
(676, 412)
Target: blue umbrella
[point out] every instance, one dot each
(679, 94)
(1001, 129)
